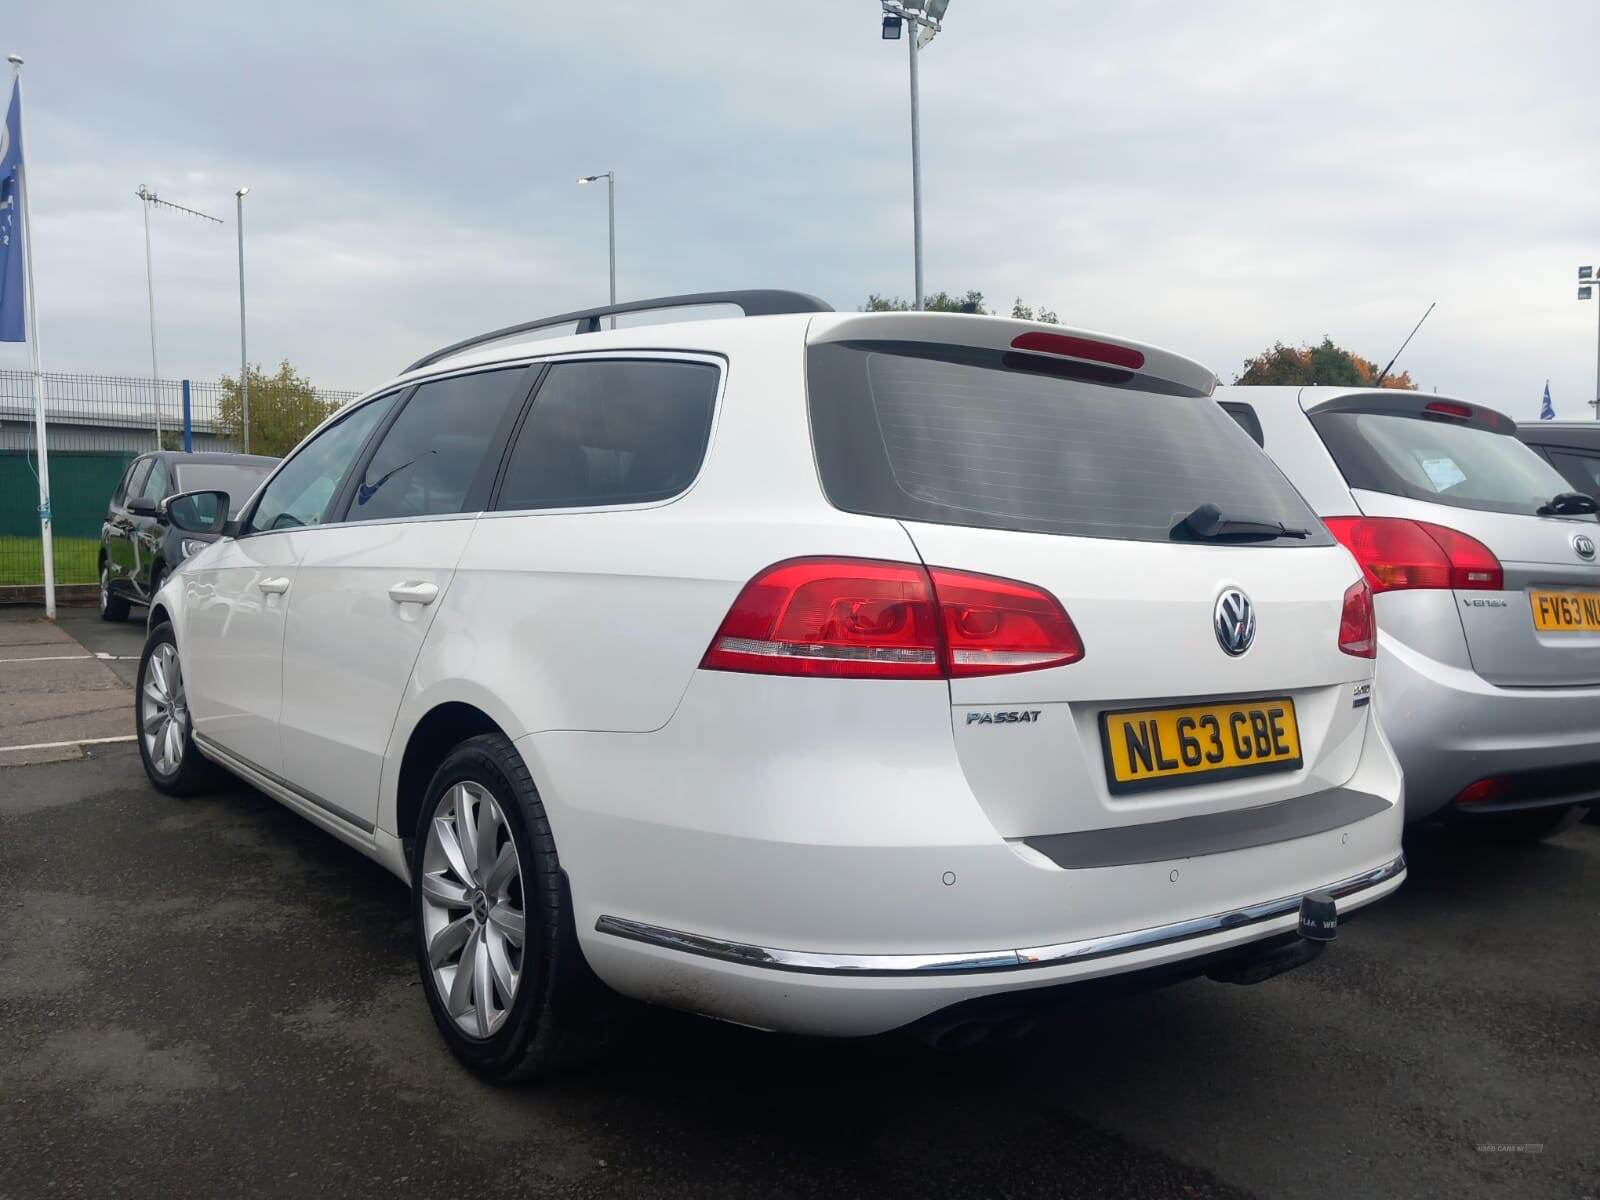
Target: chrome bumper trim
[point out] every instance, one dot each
(992, 960)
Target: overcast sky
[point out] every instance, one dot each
(1210, 177)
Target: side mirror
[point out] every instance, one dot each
(143, 506)
(197, 512)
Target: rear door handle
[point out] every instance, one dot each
(414, 593)
(273, 587)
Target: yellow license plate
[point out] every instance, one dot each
(1565, 612)
(1167, 747)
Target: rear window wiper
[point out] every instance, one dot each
(1568, 504)
(1208, 523)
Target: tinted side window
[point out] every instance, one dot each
(125, 488)
(1247, 419)
(611, 433)
(155, 483)
(136, 477)
(430, 457)
(1582, 470)
(299, 494)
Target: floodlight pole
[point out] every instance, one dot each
(916, 162)
(244, 361)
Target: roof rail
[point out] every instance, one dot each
(758, 302)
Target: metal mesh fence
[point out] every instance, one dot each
(97, 424)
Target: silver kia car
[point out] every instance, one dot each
(1482, 559)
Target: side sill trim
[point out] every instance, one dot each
(982, 961)
(276, 786)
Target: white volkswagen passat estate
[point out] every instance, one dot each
(831, 673)
(1488, 593)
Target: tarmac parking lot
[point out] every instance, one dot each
(210, 997)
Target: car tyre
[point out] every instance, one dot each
(112, 606)
(485, 874)
(162, 725)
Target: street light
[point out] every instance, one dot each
(244, 362)
(611, 221)
(1587, 283)
(925, 18)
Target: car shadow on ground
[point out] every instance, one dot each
(1378, 1047)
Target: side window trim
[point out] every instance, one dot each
(483, 481)
(261, 488)
(492, 505)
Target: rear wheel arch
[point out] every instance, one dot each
(441, 729)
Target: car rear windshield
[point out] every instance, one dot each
(1000, 440)
(1440, 461)
(239, 480)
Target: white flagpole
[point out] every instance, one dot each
(31, 329)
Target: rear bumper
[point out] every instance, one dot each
(845, 880)
(1449, 729)
(1353, 892)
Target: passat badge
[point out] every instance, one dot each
(1234, 620)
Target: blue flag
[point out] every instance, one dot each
(13, 292)
(1548, 412)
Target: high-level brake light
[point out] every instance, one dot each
(1397, 554)
(864, 619)
(1077, 347)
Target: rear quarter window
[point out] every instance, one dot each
(961, 436)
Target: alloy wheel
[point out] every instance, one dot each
(164, 710)
(473, 916)
(105, 587)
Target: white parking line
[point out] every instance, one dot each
(74, 658)
(127, 737)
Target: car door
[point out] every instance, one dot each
(147, 528)
(368, 585)
(237, 596)
(119, 527)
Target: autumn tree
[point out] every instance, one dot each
(969, 302)
(1321, 364)
(284, 407)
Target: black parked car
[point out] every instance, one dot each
(138, 546)
(1573, 448)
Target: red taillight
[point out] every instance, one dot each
(995, 626)
(1358, 626)
(1078, 347)
(1484, 791)
(861, 619)
(839, 617)
(1402, 555)
(1445, 409)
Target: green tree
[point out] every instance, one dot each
(284, 407)
(968, 302)
(1325, 363)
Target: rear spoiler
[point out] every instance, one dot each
(1413, 404)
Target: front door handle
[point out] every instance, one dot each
(273, 587)
(414, 593)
